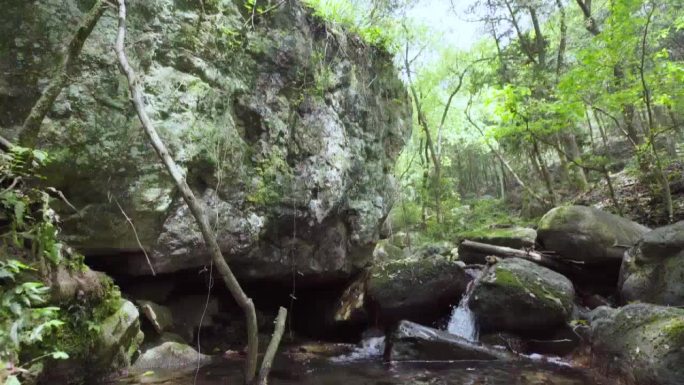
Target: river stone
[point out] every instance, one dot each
(411, 341)
(171, 355)
(587, 234)
(416, 288)
(514, 237)
(653, 270)
(520, 296)
(642, 341)
(286, 135)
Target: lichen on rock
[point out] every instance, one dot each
(289, 155)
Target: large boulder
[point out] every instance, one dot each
(416, 289)
(287, 131)
(520, 296)
(587, 234)
(653, 270)
(411, 341)
(642, 341)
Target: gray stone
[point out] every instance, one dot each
(411, 341)
(520, 296)
(644, 342)
(653, 270)
(171, 355)
(416, 288)
(291, 156)
(587, 234)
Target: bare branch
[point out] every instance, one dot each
(196, 209)
(130, 222)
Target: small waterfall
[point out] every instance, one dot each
(462, 322)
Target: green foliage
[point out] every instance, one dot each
(375, 28)
(28, 246)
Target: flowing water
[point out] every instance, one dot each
(372, 371)
(340, 364)
(462, 321)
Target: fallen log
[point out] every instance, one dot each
(484, 249)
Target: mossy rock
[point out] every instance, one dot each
(653, 270)
(386, 251)
(643, 342)
(265, 147)
(416, 289)
(587, 234)
(519, 296)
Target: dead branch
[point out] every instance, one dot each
(196, 208)
(272, 346)
(507, 252)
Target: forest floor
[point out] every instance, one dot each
(636, 197)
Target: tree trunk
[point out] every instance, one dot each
(546, 175)
(196, 208)
(573, 153)
(591, 130)
(660, 174)
(602, 130)
(565, 170)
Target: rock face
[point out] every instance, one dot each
(416, 289)
(412, 341)
(520, 296)
(653, 270)
(587, 234)
(287, 131)
(645, 342)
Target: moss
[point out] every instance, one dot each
(401, 271)
(673, 330)
(80, 332)
(543, 293)
(273, 182)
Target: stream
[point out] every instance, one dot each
(333, 364)
(372, 371)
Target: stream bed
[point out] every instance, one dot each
(308, 369)
(378, 373)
